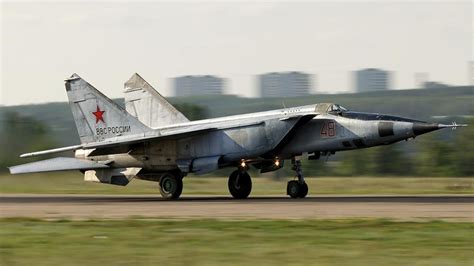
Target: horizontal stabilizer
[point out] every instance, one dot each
(56, 164)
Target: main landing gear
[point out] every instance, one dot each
(297, 188)
(240, 184)
(171, 185)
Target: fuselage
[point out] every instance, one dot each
(254, 136)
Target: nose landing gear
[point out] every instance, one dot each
(297, 188)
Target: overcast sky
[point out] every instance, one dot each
(43, 43)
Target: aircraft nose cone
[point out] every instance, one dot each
(422, 128)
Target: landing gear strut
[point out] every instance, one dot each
(171, 185)
(297, 188)
(240, 184)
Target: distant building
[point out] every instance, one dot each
(198, 85)
(284, 84)
(434, 85)
(371, 79)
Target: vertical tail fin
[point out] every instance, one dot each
(149, 106)
(97, 117)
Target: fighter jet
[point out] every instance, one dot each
(151, 140)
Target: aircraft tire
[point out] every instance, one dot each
(171, 185)
(292, 189)
(303, 190)
(296, 190)
(240, 184)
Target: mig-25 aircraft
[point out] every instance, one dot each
(152, 140)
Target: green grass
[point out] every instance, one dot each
(251, 242)
(72, 183)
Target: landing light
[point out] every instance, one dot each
(242, 164)
(277, 162)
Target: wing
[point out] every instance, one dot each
(123, 145)
(56, 164)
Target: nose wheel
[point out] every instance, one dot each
(297, 188)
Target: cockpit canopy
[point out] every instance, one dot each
(330, 108)
(336, 108)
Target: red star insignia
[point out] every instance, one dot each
(99, 115)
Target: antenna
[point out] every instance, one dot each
(455, 125)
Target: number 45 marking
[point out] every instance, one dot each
(328, 129)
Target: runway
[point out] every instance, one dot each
(456, 208)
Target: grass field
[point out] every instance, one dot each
(72, 183)
(215, 242)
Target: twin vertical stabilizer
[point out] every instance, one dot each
(149, 106)
(97, 117)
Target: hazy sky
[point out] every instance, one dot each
(44, 42)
